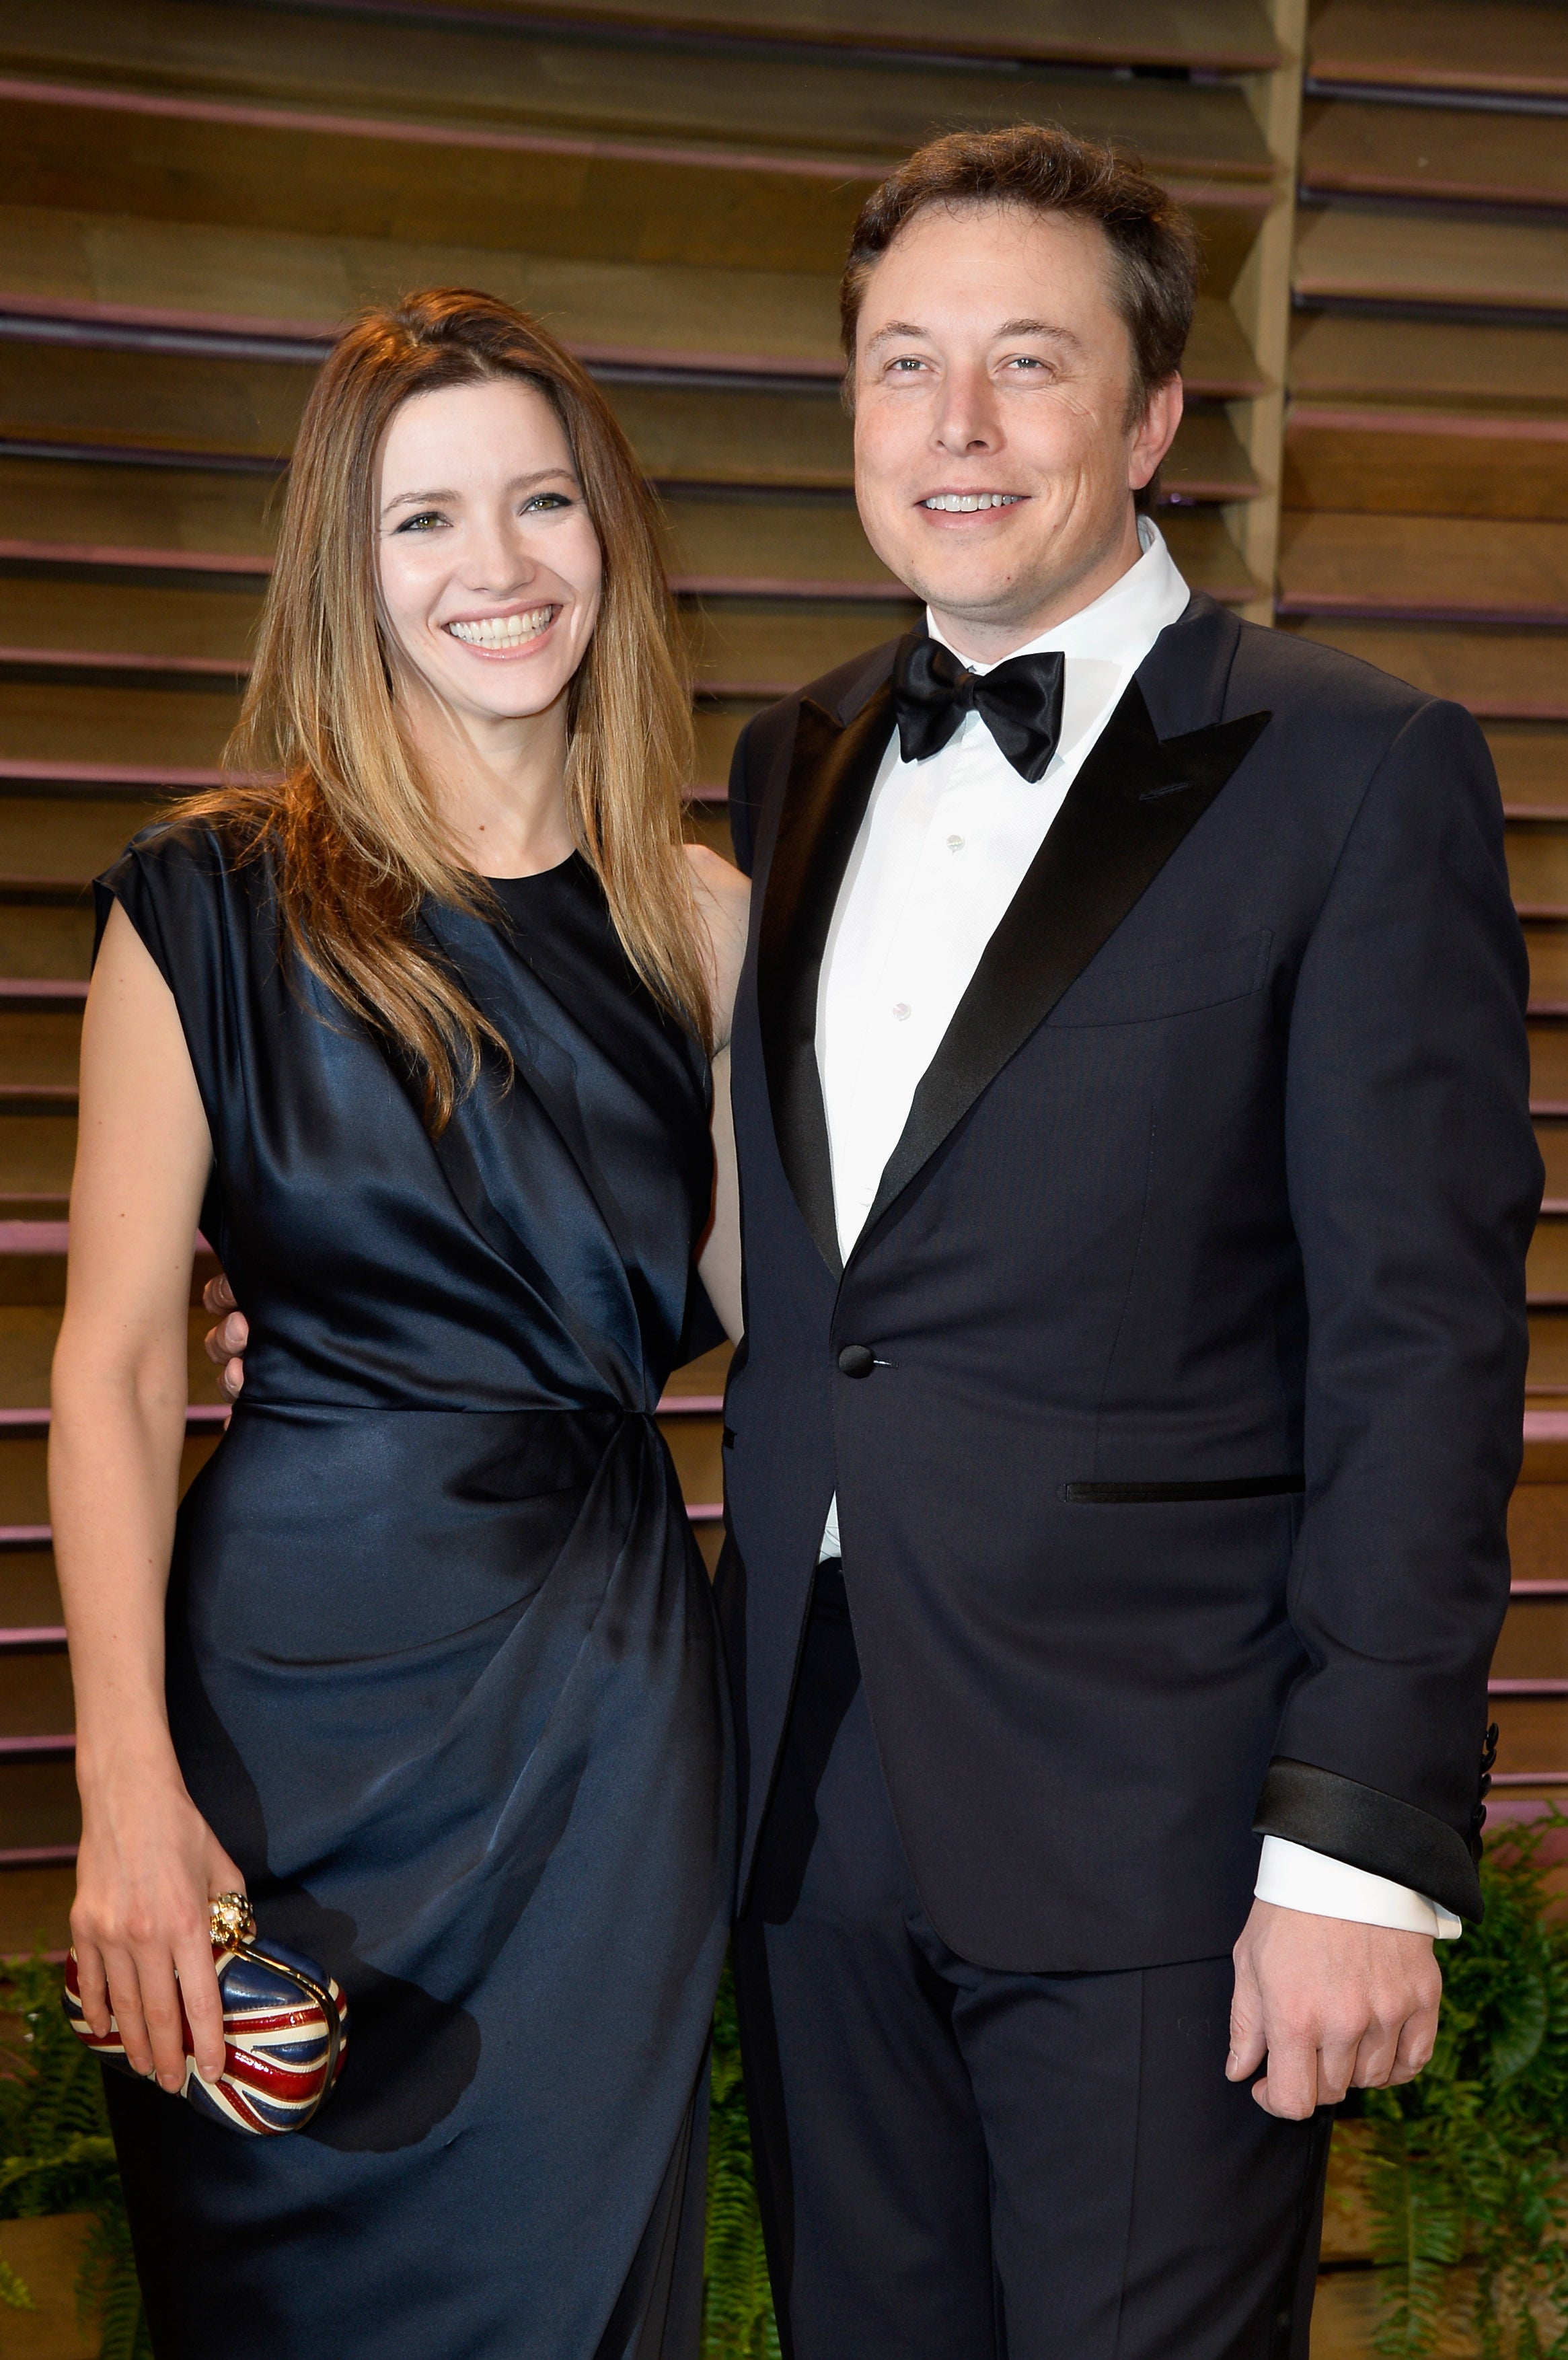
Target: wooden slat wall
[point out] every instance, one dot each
(197, 193)
(1425, 527)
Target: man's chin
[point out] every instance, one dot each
(981, 601)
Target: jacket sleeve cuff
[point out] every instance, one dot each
(1370, 1830)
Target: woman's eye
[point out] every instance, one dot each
(544, 501)
(423, 521)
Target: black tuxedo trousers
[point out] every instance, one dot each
(1172, 1393)
(957, 2164)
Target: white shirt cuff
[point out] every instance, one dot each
(1293, 1877)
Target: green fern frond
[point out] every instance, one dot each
(13, 2293)
(738, 2321)
(1471, 2159)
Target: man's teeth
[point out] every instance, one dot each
(504, 630)
(965, 502)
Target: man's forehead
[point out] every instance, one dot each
(1037, 267)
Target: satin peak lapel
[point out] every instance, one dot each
(831, 772)
(1126, 813)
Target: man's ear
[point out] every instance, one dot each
(1156, 432)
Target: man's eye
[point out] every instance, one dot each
(908, 364)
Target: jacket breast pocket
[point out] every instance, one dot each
(1203, 978)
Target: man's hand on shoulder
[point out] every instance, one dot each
(1332, 2004)
(226, 1342)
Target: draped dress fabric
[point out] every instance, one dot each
(442, 1665)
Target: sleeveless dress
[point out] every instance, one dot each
(443, 1673)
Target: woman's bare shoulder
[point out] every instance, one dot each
(719, 880)
(723, 901)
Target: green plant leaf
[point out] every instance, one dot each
(13, 2293)
(1525, 2014)
(1470, 2160)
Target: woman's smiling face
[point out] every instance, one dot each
(488, 567)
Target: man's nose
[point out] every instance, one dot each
(966, 421)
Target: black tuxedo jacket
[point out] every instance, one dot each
(1172, 1505)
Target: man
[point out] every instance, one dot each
(1130, 1096)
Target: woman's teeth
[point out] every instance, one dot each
(964, 503)
(504, 630)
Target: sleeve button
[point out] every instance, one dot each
(857, 1360)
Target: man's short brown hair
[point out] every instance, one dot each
(1041, 166)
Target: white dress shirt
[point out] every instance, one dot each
(943, 847)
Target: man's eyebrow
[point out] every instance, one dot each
(899, 328)
(1037, 328)
(517, 484)
(894, 328)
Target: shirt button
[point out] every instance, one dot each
(955, 843)
(857, 1360)
(900, 1008)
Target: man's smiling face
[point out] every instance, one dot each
(995, 457)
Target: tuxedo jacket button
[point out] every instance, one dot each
(857, 1360)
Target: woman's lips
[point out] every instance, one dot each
(500, 634)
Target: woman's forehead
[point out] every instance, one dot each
(481, 430)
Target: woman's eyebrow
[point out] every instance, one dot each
(517, 484)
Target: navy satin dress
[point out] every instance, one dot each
(442, 1663)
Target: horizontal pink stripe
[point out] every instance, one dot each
(1307, 418)
(162, 315)
(435, 135)
(32, 1236)
(763, 585)
(117, 659)
(1418, 610)
(34, 1639)
(40, 1856)
(1249, 189)
(199, 1417)
(83, 553)
(1527, 1688)
(23, 987)
(116, 774)
(21, 1749)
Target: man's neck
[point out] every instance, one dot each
(986, 640)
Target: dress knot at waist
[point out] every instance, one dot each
(489, 1453)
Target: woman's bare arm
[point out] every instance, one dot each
(723, 897)
(149, 1862)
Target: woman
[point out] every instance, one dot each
(419, 1028)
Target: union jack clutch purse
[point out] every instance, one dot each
(285, 2030)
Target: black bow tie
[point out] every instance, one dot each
(1018, 701)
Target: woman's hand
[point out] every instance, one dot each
(148, 1867)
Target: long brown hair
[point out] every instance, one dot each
(333, 789)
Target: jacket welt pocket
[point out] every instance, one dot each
(1137, 1495)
